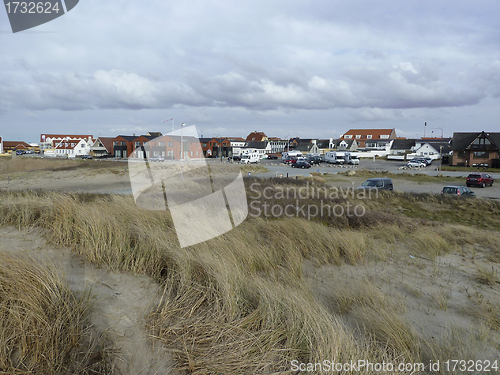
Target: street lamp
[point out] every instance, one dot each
(441, 131)
(182, 147)
(441, 158)
(219, 154)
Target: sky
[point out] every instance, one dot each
(309, 68)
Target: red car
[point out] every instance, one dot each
(290, 160)
(479, 179)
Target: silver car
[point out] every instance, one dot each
(416, 164)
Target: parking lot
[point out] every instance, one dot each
(277, 169)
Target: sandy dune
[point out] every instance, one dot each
(121, 301)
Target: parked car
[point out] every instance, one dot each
(458, 191)
(479, 179)
(314, 160)
(236, 157)
(301, 164)
(87, 157)
(156, 158)
(377, 183)
(272, 157)
(290, 160)
(20, 152)
(426, 160)
(416, 164)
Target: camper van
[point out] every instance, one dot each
(252, 157)
(290, 154)
(334, 157)
(351, 159)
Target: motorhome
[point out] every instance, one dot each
(252, 157)
(290, 154)
(351, 159)
(334, 157)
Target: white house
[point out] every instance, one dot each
(70, 148)
(432, 148)
(262, 148)
(47, 141)
(237, 145)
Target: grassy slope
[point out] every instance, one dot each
(238, 303)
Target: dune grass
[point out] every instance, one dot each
(43, 325)
(18, 164)
(238, 303)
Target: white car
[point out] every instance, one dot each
(416, 164)
(156, 158)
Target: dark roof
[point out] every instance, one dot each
(348, 141)
(323, 143)
(304, 146)
(495, 138)
(437, 145)
(154, 134)
(461, 141)
(403, 144)
(205, 140)
(255, 144)
(131, 138)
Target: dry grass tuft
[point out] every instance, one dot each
(487, 276)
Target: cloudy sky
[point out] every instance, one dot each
(310, 68)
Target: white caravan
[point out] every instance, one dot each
(252, 157)
(334, 157)
(290, 154)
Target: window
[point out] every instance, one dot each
(481, 154)
(481, 143)
(384, 136)
(171, 144)
(461, 154)
(137, 144)
(358, 136)
(124, 143)
(348, 136)
(204, 145)
(161, 143)
(369, 136)
(115, 143)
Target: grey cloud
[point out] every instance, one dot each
(400, 86)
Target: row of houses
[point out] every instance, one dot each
(463, 149)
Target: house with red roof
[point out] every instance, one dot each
(47, 140)
(69, 148)
(370, 138)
